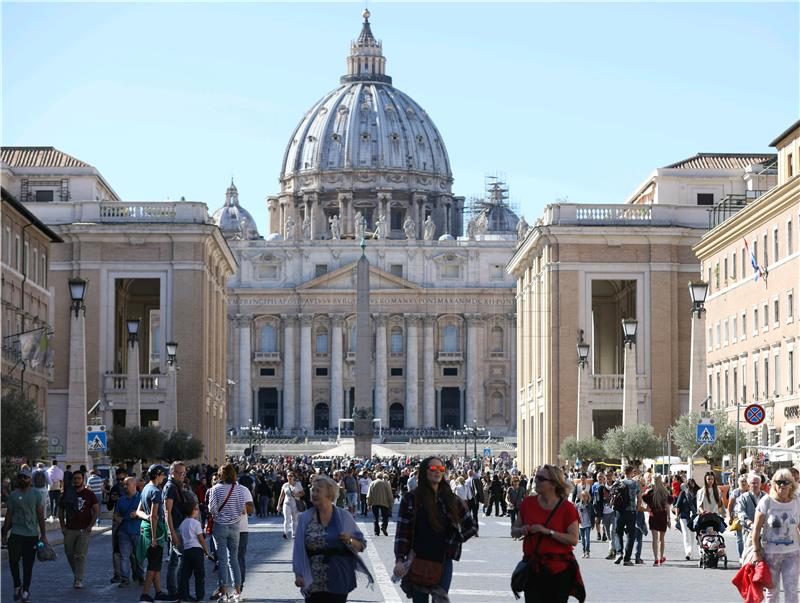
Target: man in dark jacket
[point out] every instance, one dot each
(113, 496)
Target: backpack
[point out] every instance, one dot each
(620, 496)
(39, 479)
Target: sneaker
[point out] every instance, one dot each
(162, 596)
(145, 598)
(26, 597)
(657, 562)
(17, 593)
(115, 579)
(385, 533)
(588, 554)
(611, 554)
(640, 562)
(605, 538)
(124, 583)
(688, 557)
(77, 584)
(663, 560)
(627, 563)
(618, 560)
(285, 537)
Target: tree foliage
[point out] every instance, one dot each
(20, 427)
(634, 442)
(684, 434)
(586, 449)
(136, 443)
(181, 446)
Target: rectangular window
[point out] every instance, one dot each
(766, 255)
(44, 271)
(321, 371)
(322, 342)
(744, 263)
(705, 198)
(755, 378)
(7, 248)
(710, 339)
(719, 391)
(727, 391)
(790, 373)
(733, 266)
(35, 265)
(27, 258)
(755, 321)
(789, 166)
(735, 329)
(790, 309)
(719, 338)
(776, 362)
(716, 275)
(450, 271)
(396, 270)
(320, 269)
(776, 311)
(450, 371)
(708, 280)
(766, 315)
(767, 391)
(267, 372)
(735, 385)
(775, 251)
(44, 196)
(725, 269)
(397, 342)
(789, 241)
(744, 325)
(725, 331)
(396, 219)
(17, 254)
(395, 372)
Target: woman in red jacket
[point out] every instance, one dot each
(548, 525)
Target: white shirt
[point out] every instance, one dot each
(248, 498)
(287, 490)
(56, 476)
(780, 525)
(188, 530)
(363, 485)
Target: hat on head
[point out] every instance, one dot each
(24, 471)
(155, 469)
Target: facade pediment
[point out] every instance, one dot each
(344, 278)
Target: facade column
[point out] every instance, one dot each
(584, 420)
(272, 210)
(306, 416)
(344, 212)
(412, 369)
(630, 394)
(289, 396)
(337, 407)
(245, 389)
(133, 414)
(75, 450)
(381, 369)
(428, 387)
(472, 370)
(418, 204)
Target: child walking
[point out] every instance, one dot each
(191, 561)
(586, 522)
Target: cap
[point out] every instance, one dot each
(155, 469)
(24, 471)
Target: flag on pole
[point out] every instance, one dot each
(757, 270)
(28, 345)
(40, 357)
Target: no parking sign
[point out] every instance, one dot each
(754, 414)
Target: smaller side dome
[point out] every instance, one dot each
(234, 221)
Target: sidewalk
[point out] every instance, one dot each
(56, 538)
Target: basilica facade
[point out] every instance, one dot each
(367, 164)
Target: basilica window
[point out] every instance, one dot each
(397, 340)
(497, 340)
(450, 339)
(497, 404)
(322, 341)
(268, 339)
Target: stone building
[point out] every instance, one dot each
(163, 263)
(751, 261)
(26, 324)
(583, 269)
(367, 160)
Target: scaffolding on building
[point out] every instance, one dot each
(496, 194)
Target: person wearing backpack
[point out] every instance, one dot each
(175, 511)
(626, 501)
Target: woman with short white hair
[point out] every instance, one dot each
(776, 540)
(326, 552)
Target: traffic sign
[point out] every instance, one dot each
(706, 433)
(504, 455)
(96, 440)
(754, 414)
(487, 452)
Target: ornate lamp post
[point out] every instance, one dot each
(77, 293)
(76, 452)
(172, 353)
(698, 291)
(630, 394)
(133, 410)
(584, 418)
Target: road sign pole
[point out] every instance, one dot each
(736, 460)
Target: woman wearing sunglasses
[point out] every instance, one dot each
(432, 523)
(775, 535)
(548, 525)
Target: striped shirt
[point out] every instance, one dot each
(232, 510)
(95, 484)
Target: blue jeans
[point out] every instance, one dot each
(626, 524)
(242, 554)
(129, 566)
(172, 570)
(447, 578)
(586, 537)
(226, 539)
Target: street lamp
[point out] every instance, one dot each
(583, 352)
(629, 330)
(698, 290)
(133, 329)
(466, 434)
(172, 352)
(77, 292)
(475, 438)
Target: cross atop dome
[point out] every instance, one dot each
(232, 195)
(366, 62)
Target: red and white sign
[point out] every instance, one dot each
(754, 414)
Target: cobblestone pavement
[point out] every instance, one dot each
(482, 575)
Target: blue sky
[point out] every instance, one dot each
(568, 100)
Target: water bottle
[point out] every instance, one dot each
(40, 545)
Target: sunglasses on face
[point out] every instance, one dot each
(440, 468)
(782, 482)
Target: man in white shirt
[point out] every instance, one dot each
(363, 489)
(56, 477)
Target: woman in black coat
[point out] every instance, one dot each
(496, 494)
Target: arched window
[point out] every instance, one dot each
(268, 339)
(497, 404)
(450, 339)
(397, 340)
(352, 342)
(497, 339)
(322, 340)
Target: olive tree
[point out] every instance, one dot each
(589, 449)
(633, 442)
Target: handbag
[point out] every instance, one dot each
(522, 573)
(46, 552)
(210, 520)
(301, 505)
(424, 572)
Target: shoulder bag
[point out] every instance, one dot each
(424, 572)
(526, 567)
(210, 520)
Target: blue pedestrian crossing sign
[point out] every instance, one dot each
(706, 433)
(96, 440)
(487, 452)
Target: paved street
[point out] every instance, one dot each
(481, 576)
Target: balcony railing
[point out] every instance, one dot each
(624, 214)
(608, 382)
(116, 382)
(447, 357)
(266, 356)
(730, 206)
(109, 211)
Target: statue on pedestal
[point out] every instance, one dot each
(358, 225)
(336, 232)
(429, 229)
(307, 227)
(522, 228)
(410, 227)
(380, 227)
(290, 229)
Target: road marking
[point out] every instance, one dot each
(472, 561)
(487, 594)
(482, 574)
(381, 575)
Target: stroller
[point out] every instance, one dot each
(708, 528)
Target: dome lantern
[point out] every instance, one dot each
(366, 62)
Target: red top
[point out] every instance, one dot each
(531, 512)
(676, 488)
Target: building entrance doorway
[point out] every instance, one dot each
(321, 416)
(267, 412)
(397, 419)
(450, 414)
